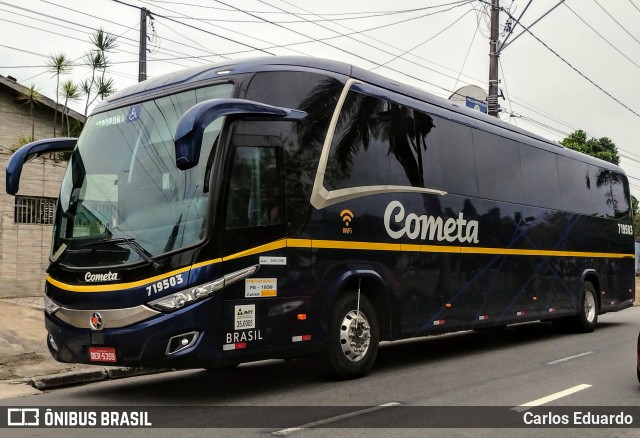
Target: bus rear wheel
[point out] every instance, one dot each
(353, 337)
(585, 321)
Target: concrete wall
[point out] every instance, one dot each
(24, 248)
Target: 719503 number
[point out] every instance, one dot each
(164, 284)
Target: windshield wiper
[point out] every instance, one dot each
(131, 242)
(58, 256)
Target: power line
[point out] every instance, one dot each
(616, 21)
(336, 47)
(134, 42)
(600, 35)
(201, 30)
(502, 75)
(580, 73)
(425, 42)
(380, 43)
(75, 30)
(273, 46)
(338, 14)
(364, 15)
(475, 32)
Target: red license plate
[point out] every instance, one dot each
(102, 354)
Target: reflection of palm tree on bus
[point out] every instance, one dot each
(402, 129)
(606, 177)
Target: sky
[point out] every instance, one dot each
(578, 67)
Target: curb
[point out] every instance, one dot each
(88, 376)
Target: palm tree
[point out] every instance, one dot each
(605, 177)
(71, 93)
(94, 60)
(98, 61)
(31, 97)
(104, 42)
(105, 87)
(365, 118)
(58, 64)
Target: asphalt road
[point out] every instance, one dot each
(524, 364)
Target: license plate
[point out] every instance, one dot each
(102, 354)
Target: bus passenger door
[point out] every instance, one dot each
(252, 235)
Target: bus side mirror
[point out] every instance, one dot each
(191, 126)
(32, 150)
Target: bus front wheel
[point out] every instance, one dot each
(353, 338)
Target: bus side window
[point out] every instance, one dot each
(254, 197)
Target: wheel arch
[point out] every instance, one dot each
(592, 276)
(373, 286)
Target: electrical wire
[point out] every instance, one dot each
(616, 21)
(424, 42)
(475, 32)
(602, 37)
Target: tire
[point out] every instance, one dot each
(585, 321)
(352, 349)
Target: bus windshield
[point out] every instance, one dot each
(122, 198)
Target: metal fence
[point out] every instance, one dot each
(31, 210)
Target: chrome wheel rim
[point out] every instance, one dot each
(589, 306)
(355, 336)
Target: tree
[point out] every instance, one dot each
(58, 64)
(99, 85)
(31, 97)
(606, 150)
(71, 93)
(602, 148)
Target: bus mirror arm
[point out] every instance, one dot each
(191, 126)
(31, 150)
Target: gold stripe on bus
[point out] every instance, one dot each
(206, 263)
(339, 244)
(298, 243)
(116, 286)
(278, 244)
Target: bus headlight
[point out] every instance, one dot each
(185, 297)
(180, 299)
(50, 306)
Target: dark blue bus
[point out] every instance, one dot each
(281, 206)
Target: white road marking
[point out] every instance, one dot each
(289, 431)
(552, 397)
(564, 359)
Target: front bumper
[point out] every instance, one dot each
(145, 343)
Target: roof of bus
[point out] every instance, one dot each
(210, 72)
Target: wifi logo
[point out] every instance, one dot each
(347, 218)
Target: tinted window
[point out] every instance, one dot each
(498, 167)
(302, 141)
(448, 160)
(254, 195)
(575, 185)
(377, 142)
(540, 177)
(608, 192)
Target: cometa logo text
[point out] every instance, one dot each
(92, 278)
(435, 228)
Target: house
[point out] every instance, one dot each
(25, 220)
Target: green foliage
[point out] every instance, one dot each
(19, 143)
(602, 148)
(31, 97)
(56, 156)
(58, 64)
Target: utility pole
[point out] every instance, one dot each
(142, 54)
(492, 99)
